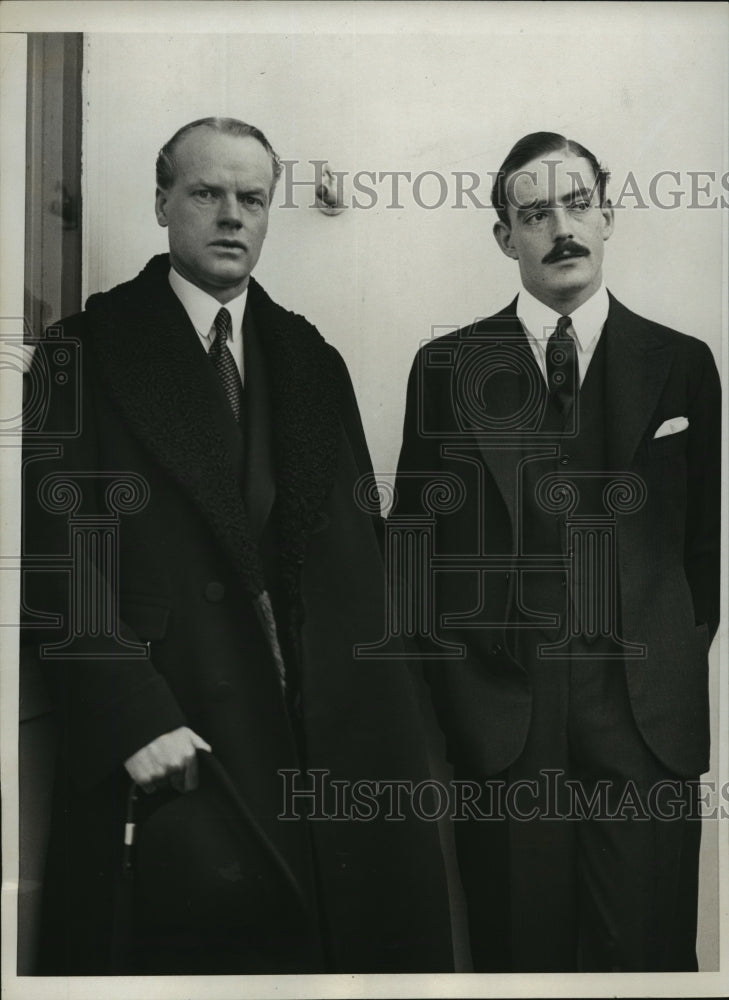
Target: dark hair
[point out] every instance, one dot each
(166, 164)
(529, 148)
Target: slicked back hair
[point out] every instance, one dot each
(531, 147)
(167, 166)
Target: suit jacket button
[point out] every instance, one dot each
(496, 648)
(214, 592)
(564, 460)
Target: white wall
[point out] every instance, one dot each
(644, 87)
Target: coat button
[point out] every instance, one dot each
(564, 460)
(214, 591)
(496, 648)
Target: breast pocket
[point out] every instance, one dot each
(668, 446)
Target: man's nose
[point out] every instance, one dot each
(561, 223)
(230, 212)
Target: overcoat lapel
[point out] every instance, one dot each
(156, 374)
(305, 397)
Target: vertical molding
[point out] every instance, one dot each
(12, 201)
(12, 172)
(53, 176)
(49, 155)
(99, 134)
(89, 261)
(71, 172)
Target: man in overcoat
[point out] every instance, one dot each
(198, 574)
(575, 589)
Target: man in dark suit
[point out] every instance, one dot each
(198, 573)
(576, 589)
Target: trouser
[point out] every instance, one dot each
(594, 865)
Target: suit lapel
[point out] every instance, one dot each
(637, 366)
(512, 399)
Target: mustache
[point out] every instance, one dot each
(566, 247)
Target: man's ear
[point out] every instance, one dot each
(502, 234)
(160, 206)
(608, 215)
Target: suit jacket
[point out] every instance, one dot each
(472, 413)
(234, 559)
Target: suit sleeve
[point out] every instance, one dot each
(109, 704)
(703, 513)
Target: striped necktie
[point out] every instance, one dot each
(224, 363)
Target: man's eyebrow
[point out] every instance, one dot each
(532, 205)
(578, 192)
(200, 182)
(573, 195)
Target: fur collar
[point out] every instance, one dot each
(150, 358)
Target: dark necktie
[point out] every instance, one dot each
(224, 363)
(562, 365)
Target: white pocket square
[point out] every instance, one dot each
(672, 426)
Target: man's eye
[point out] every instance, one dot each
(535, 217)
(580, 206)
(203, 194)
(252, 199)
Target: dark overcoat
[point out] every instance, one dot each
(239, 573)
(471, 418)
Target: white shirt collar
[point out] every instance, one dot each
(587, 320)
(203, 308)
